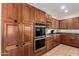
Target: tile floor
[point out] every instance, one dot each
(63, 50)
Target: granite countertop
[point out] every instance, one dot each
(61, 33)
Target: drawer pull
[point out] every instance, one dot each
(23, 43)
(17, 45)
(15, 21)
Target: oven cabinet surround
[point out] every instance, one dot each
(70, 39)
(52, 41)
(71, 23)
(40, 16)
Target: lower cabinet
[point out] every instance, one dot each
(28, 50)
(23, 50)
(11, 51)
(72, 40)
(53, 41)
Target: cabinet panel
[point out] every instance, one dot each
(11, 51)
(25, 13)
(42, 17)
(27, 33)
(10, 12)
(76, 23)
(11, 34)
(28, 49)
(39, 16)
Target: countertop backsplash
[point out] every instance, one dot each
(69, 31)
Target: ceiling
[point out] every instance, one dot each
(54, 9)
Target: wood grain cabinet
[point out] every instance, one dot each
(17, 34)
(76, 23)
(26, 12)
(39, 16)
(52, 41)
(10, 12)
(75, 41)
(71, 23)
(72, 40)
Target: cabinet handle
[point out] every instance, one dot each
(17, 45)
(23, 43)
(15, 21)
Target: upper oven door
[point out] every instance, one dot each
(39, 31)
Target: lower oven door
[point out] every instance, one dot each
(39, 44)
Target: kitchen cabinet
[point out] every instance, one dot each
(39, 16)
(10, 12)
(75, 41)
(63, 24)
(15, 34)
(55, 24)
(14, 39)
(66, 39)
(52, 23)
(49, 21)
(71, 40)
(52, 41)
(28, 49)
(76, 23)
(57, 38)
(26, 12)
(11, 39)
(71, 23)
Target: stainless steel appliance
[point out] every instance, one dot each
(39, 37)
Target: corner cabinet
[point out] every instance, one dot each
(52, 41)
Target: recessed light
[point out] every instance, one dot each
(66, 11)
(62, 7)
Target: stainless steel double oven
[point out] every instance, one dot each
(39, 37)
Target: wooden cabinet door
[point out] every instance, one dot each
(27, 39)
(67, 39)
(76, 23)
(75, 41)
(9, 12)
(11, 51)
(27, 33)
(37, 16)
(25, 13)
(32, 15)
(63, 24)
(11, 34)
(42, 17)
(28, 49)
(11, 38)
(57, 39)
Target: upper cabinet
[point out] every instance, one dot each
(55, 23)
(76, 23)
(52, 23)
(10, 12)
(39, 16)
(26, 13)
(71, 23)
(48, 21)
